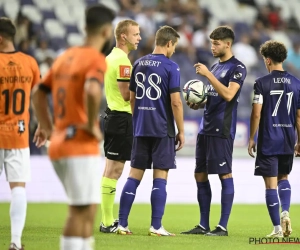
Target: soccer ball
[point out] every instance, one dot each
(194, 91)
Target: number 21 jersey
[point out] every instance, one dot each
(154, 77)
(279, 94)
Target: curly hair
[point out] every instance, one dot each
(274, 50)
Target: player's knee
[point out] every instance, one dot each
(201, 177)
(160, 173)
(114, 169)
(16, 184)
(282, 177)
(225, 176)
(136, 173)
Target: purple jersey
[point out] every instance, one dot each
(220, 116)
(154, 77)
(279, 94)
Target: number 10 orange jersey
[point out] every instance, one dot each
(18, 74)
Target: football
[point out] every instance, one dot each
(194, 91)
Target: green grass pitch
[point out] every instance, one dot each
(45, 221)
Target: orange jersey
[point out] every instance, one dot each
(66, 80)
(19, 73)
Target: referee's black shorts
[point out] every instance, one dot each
(118, 135)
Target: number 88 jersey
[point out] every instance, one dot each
(19, 73)
(279, 94)
(154, 78)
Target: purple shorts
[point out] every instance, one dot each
(213, 154)
(148, 150)
(273, 165)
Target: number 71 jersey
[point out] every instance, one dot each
(279, 94)
(19, 73)
(154, 78)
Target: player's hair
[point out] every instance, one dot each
(166, 34)
(97, 16)
(122, 26)
(276, 51)
(7, 28)
(222, 33)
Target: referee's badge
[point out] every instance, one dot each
(124, 71)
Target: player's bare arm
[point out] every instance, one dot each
(124, 90)
(178, 116)
(254, 123)
(93, 93)
(132, 101)
(297, 146)
(227, 93)
(42, 112)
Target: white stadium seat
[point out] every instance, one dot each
(11, 9)
(32, 13)
(54, 28)
(75, 39)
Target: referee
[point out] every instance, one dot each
(118, 121)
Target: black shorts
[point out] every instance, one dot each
(148, 150)
(273, 165)
(118, 135)
(213, 155)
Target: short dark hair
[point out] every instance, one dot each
(166, 34)
(222, 33)
(7, 28)
(96, 16)
(274, 50)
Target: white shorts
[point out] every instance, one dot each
(16, 163)
(80, 177)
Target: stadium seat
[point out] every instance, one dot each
(54, 28)
(11, 9)
(43, 4)
(62, 13)
(32, 13)
(75, 39)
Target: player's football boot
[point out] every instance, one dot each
(109, 229)
(196, 230)
(159, 232)
(286, 224)
(123, 230)
(217, 232)
(14, 247)
(274, 234)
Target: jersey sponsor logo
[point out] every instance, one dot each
(21, 126)
(211, 90)
(241, 66)
(124, 71)
(11, 65)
